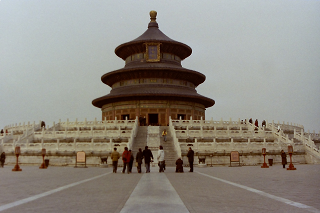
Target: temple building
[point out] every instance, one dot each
(153, 85)
(153, 93)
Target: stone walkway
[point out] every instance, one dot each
(211, 189)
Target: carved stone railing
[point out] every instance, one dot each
(283, 139)
(121, 132)
(174, 137)
(133, 132)
(212, 136)
(309, 143)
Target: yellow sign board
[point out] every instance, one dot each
(81, 157)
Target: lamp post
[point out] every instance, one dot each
(290, 151)
(43, 165)
(264, 152)
(17, 167)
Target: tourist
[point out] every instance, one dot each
(263, 124)
(279, 129)
(3, 158)
(164, 135)
(139, 158)
(115, 155)
(256, 123)
(250, 120)
(190, 156)
(1, 132)
(43, 124)
(160, 159)
(179, 165)
(147, 154)
(284, 158)
(245, 121)
(126, 160)
(131, 161)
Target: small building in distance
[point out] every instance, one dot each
(153, 85)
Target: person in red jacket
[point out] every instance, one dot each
(126, 159)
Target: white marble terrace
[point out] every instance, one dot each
(207, 137)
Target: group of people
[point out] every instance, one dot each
(179, 162)
(128, 159)
(2, 132)
(146, 154)
(256, 123)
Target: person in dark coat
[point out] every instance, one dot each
(126, 159)
(179, 165)
(250, 120)
(43, 124)
(190, 156)
(131, 161)
(139, 158)
(256, 123)
(263, 124)
(3, 158)
(284, 158)
(147, 154)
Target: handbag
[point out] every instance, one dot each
(136, 164)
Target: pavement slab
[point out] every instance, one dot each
(210, 189)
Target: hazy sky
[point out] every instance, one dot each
(261, 58)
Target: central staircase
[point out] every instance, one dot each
(170, 155)
(140, 141)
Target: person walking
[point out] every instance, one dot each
(161, 159)
(147, 154)
(3, 158)
(131, 161)
(139, 158)
(190, 156)
(126, 160)
(284, 159)
(115, 155)
(164, 135)
(179, 165)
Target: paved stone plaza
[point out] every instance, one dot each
(211, 189)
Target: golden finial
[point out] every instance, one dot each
(153, 15)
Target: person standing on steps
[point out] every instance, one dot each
(190, 156)
(139, 158)
(115, 155)
(147, 154)
(164, 135)
(161, 159)
(126, 159)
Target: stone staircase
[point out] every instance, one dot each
(170, 154)
(140, 140)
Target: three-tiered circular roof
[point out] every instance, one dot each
(162, 69)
